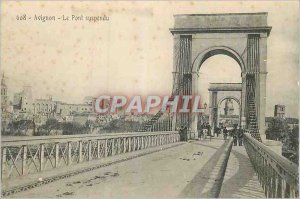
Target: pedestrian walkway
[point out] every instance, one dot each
(181, 171)
(240, 180)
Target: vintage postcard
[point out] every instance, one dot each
(149, 99)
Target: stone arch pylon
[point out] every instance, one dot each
(242, 36)
(219, 92)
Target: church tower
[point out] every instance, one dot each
(4, 97)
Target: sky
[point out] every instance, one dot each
(219, 69)
(132, 53)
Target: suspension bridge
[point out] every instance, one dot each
(155, 161)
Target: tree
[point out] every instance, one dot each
(51, 124)
(292, 146)
(89, 124)
(20, 127)
(72, 128)
(294, 139)
(278, 129)
(120, 125)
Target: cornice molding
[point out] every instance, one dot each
(265, 29)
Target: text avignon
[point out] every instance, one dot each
(44, 18)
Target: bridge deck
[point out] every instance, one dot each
(182, 171)
(240, 180)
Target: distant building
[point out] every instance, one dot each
(64, 109)
(89, 100)
(4, 96)
(229, 109)
(26, 107)
(279, 111)
(23, 100)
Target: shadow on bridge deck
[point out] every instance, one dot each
(240, 180)
(202, 184)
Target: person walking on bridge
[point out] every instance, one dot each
(225, 133)
(183, 133)
(218, 131)
(200, 131)
(209, 130)
(240, 136)
(235, 136)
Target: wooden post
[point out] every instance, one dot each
(56, 154)
(3, 162)
(148, 141)
(137, 143)
(69, 153)
(292, 191)
(98, 149)
(80, 152)
(151, 137)
(106, 148)
(24, 159)
(42, 153)
(159, 140)
(119, 146)
(90, 150)
(113, 147)
(283, 188)
(140, 142)
(134, 143)
(129, 144)
(116, 145)
(279, 187)
(153, 140)
(124, 144)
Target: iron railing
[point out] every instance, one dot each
(26, 155)
(277, 175)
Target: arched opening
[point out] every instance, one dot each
(217, 67)
(229, 112)
(217, 50)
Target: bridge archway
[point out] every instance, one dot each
(218, 92)
(229, 97)
(230, 114)
(242, 36)
(216, 50)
